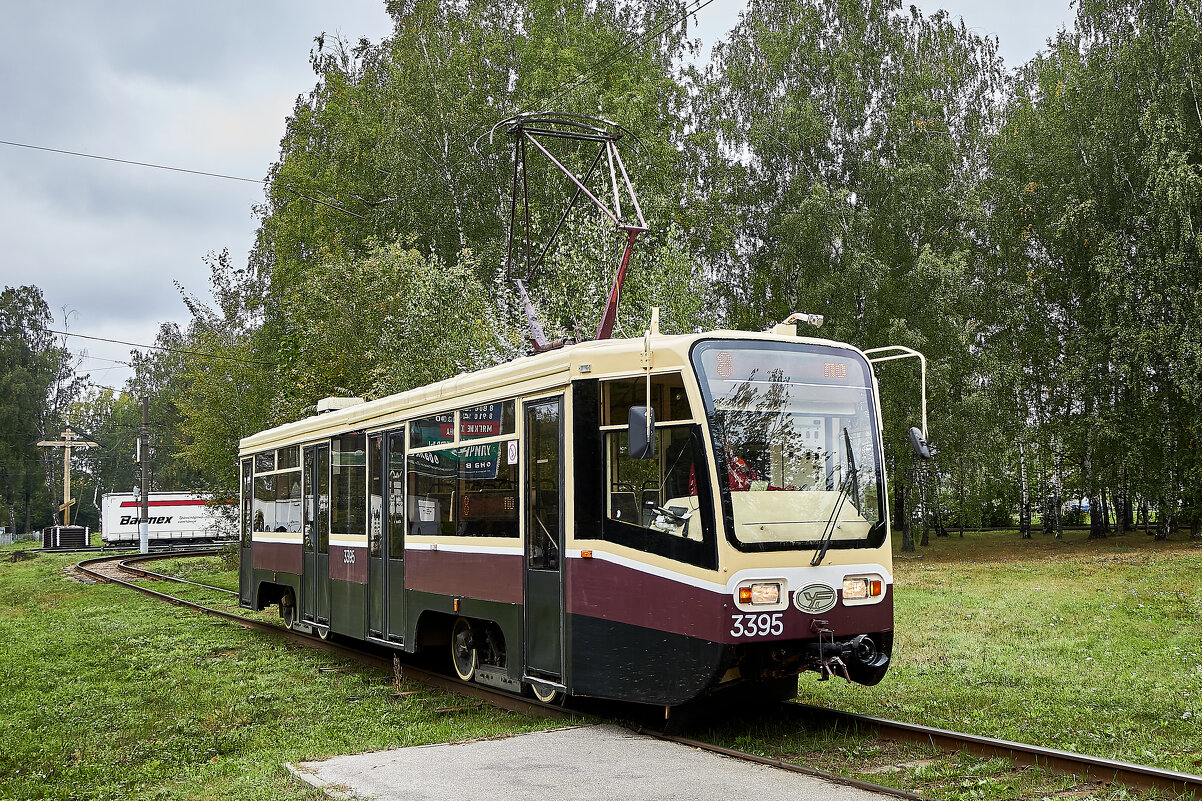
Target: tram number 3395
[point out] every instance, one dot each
(756, 625)
(348, 557)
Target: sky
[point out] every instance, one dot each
(204, 87)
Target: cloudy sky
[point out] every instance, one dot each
(204, 87)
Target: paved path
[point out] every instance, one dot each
(587, 763)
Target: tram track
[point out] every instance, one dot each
(429, 678)
(1139, 777)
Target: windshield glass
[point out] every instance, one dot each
(795, 439)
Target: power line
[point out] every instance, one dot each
(286, 188)
(135, 163)
(158, 347)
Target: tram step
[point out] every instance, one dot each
(496, 677)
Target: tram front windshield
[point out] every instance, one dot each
(795, 438)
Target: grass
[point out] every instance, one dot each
(106, 694)
(1093, 647)
(1087, 646)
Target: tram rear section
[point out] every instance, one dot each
(645, 520)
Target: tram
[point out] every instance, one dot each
(650, 519)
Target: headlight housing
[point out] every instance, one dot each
(863, 589)
(760, 595)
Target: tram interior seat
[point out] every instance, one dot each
(650, 499)
(624, 507)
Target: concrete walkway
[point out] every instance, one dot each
(587, 763)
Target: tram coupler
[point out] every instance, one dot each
(832, 666)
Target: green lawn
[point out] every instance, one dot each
(106, 694)
(1090, 647)
(1093, 647)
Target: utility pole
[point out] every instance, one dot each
(69, 440)
(144, 466)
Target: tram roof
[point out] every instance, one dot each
(605, 358)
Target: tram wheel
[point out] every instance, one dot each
(545, 693)
(463, 651)
(288, 611)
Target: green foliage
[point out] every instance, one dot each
(1097, 203)
(1035, 235)
(576, 280)
(854, 137)
(37, 385)
(392, 321)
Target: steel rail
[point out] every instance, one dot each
(783, 765)
(1128, 774)
(150, 574)
(500, 699)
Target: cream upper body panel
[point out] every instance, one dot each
(526, 375)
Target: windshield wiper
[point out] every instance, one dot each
(851, 480)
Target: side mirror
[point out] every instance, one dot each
(920, 444)
(640, 423)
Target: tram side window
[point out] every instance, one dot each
(661, 505)
(659, 494)
(469, 491)
(248, 491)
(348, 477)
(434, 430)
(396, 495)
(277, 502)
(488, 495)
(432, 486)
(487, 420)
(668, 398)
(323, 498)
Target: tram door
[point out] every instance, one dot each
(544, 539)
(315, 588)
(245, 563)
(317, 580)
(394, 537)
(377, 576)
(308, 599)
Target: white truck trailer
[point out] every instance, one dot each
(174, 517)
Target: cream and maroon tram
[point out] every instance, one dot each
(643, 519)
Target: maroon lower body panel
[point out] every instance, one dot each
(348, 564)
(486, 576)
(613, 592)
(282, 557)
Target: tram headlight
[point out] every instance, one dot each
(766, 593)
(760, 594)
(863, 589)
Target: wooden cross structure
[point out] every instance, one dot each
(69, 440)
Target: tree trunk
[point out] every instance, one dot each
(924, 498)
(940, 529)
(1097, 530)
(1024, 505)
(907, 545)
(1057, 497)
(960, 491)
(1162, 521)
(899, 502)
